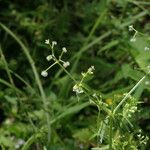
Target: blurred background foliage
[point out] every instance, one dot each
(95, 32)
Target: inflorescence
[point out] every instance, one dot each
(52, 56)
(146, 48)
(131, 28)
(78, 87)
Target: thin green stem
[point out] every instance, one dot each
(99, 105)
(128, 94)
(83, 78)
(6, 67)
(21, 79)
(136, 32)
(110, 132)
(43, 130)
(61, 61)
(86, 47)
(51, 66)
(62, 52)
(9, 72)
(52, 49)
(67, 72)
(11, 86)
(37, 78)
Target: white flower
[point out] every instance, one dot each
(142, 137)
(83, 74)
(147, 82)
(132, 110)
(44, 73)
(140, 130)
(90, 70)
(66, 64)
(146, 48)
(131, 28)
(129, 115)
(148, 67)
(47, 41)
(77, 88)
(64, 49)
(139, 135)
(19, 143)
(94, 95)
(54, 43)
(49, 57)
(133, 39)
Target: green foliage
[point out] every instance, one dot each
(102, 108)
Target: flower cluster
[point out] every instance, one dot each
(52, 56)
(78, 88)
(90, 70)
(130, 108)
(143, 139)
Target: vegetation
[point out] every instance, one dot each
(75, 75)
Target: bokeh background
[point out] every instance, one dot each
(95, 32)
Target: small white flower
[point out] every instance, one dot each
(148, 67)
(44, 73)
(64, 49)
(139, 135)
(66, 64)
(147, 82)
(129, 115)
(78, 89)
(140, 130)
(54, 43)
(47, 41)
(134, 107)
(94, 95)
(19, 143)
(81, 146)
(90, 70)
(49, 57)
(131, 28)
(146, 48)
(144, 143)
(83, 74)
(142, 137)
(92, 67)
(133, 39)
(132, 110)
